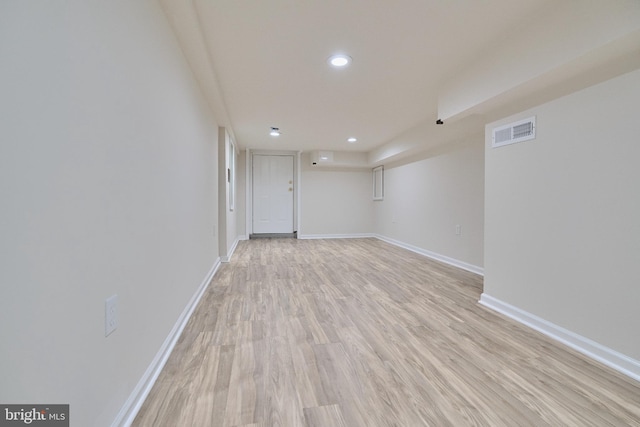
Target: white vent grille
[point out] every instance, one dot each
(522, 130)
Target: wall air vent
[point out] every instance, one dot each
(519, 131)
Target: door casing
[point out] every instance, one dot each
(249, 182)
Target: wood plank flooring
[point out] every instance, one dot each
(357, 332)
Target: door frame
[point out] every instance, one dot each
(249, 181)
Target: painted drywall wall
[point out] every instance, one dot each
(108, 186)
(562, 237)
(558, 37)
(335, 201)
(426, 199)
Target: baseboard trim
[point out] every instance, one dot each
(335, 236)
(442, 258)
(227, 258)
(438, 257)
(233, 248)
(131, 407)
(611, 358)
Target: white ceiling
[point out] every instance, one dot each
(263, 63)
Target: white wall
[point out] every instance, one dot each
(562, 229)
(541, 52)
(108, 186)
(335, 201)
(424, 201)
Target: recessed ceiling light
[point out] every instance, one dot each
(324, 158)
(352, 140)
(339, 61)
(274, 132)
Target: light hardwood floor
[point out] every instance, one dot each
(357, 332)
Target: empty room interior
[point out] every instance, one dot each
(321, 212)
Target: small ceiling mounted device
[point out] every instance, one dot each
(274, 132)
(339, 61)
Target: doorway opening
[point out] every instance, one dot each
(274, 195)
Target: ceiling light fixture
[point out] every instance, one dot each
(352, 140)
(274, 132)
(339, 61)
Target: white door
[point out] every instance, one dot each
(272, 194)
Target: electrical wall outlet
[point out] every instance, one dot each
(458, 230)
(110, 315)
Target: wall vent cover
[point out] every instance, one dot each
(519, 131)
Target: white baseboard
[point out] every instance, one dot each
(442, 258)
(335, 236)
(618, 361)
(131, 407)
(233, 248)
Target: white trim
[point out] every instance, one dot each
(613, 359)
(227, 258)
(248, 190)
(231, 171)
(296, 185)
(378, 193)
(335, 236)
(133, 404)
(298, 193)
(442, 258)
